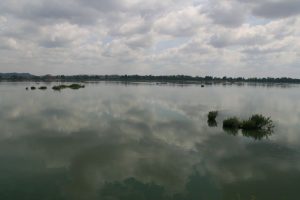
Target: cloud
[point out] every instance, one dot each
(226, 13)
(147, 37)
(180, 23)
(61, 35)
(277, 9)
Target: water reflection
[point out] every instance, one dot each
(197, 188)
(144, 142)
(255, 134)
(212, 123)
(231, 131)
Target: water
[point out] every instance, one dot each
(146, 142)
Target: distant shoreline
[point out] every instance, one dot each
(13, 77)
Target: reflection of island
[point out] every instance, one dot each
(255, 134)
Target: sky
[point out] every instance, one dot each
(160, 37)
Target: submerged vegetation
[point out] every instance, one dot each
(257, 126)
(72, 86)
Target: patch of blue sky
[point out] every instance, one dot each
(168, 44)
(107, 40)
(254, 21)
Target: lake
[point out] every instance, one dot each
(147, 141)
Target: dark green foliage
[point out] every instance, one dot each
(72, 86)
(32, 88)
(212, 115)
(257, 126)
(43, 88)
(231, 123)
(257, 122)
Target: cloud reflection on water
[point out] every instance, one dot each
(107, 134)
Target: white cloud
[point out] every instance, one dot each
(217, 37)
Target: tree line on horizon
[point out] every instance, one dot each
(166, 78)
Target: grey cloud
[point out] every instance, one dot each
(276, 10)
(228, 18)
(60, 42)
(226, 14)
(103, 5)
(55, 11)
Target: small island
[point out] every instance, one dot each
(72, 86)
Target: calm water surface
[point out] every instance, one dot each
(146, 142)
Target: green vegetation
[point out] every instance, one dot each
(257, 122)
(32, 88)
(72, 86)
(43, 88)
(257, 126)
(212, 118)
(212, 115)
(231, 123)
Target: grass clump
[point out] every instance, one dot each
(212, 115)
(231, 123)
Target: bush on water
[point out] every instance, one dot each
(231, 123)
(257, 126)
(212, 115)
(257, 122)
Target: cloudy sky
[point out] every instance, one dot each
(194, 37)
